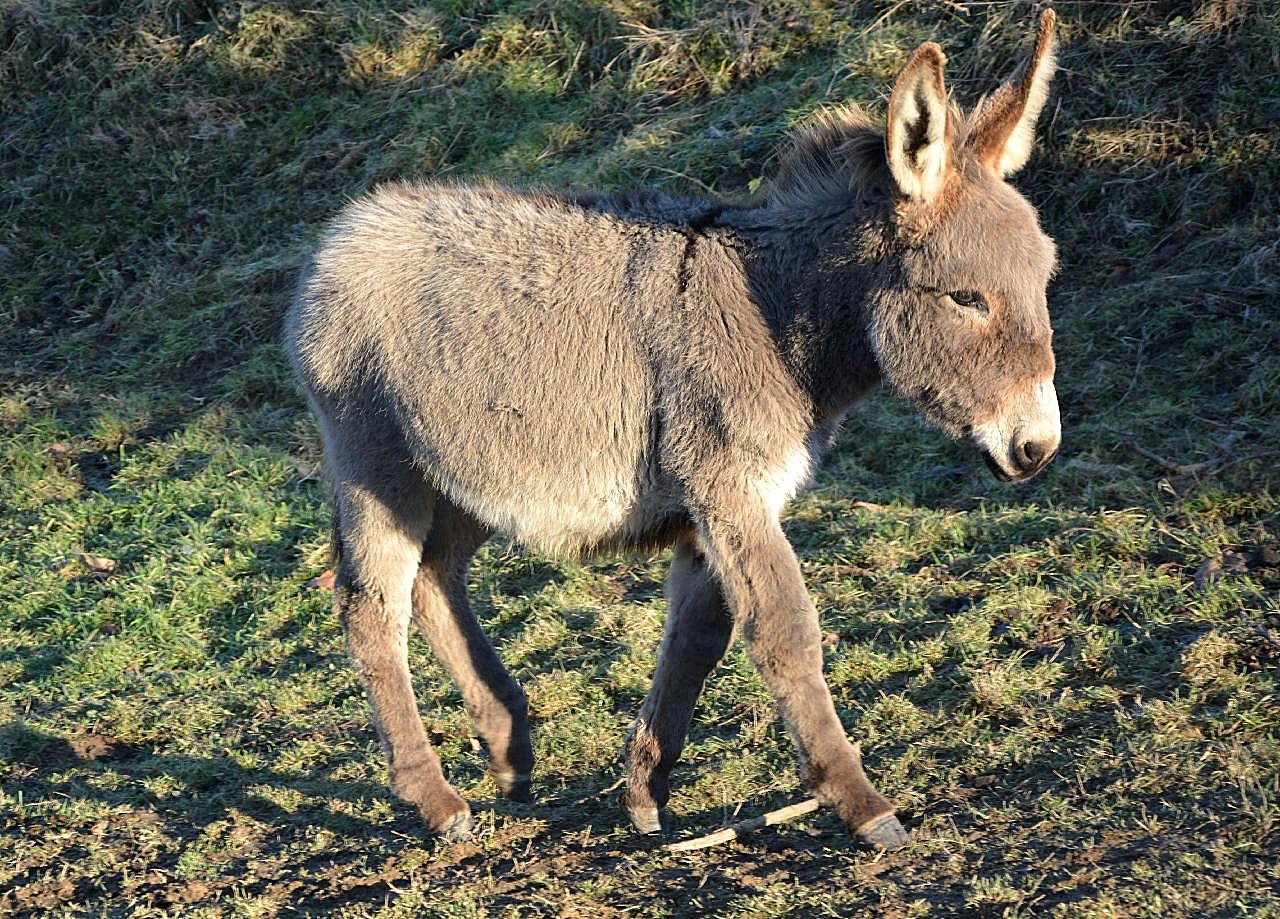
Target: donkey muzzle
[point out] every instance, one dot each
(996, 469)
(1025, 439)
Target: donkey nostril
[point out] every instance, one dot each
(1030, 454)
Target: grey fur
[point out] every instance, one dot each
(587, 373)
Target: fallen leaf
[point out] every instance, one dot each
(983, 781)
(1208, 573)
(193, 892)
(89, 747)
(99, 563)
(1213, 570)
(868, 506)
(322, 582)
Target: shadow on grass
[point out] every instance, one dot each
(213, 786)
(560, 834)
(45, 769)
(37, 663)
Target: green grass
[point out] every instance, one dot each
(1070, 688)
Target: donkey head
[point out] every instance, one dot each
(961, 323)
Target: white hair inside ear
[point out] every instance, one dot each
(917, 145)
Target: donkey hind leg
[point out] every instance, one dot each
(494, 700)
(384, 515)
(697, 631)
(766, 591)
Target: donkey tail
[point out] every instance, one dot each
(335, 539)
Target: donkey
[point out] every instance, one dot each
(590, 373)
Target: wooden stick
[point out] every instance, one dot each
(1175, 468)
(1213, 466)
(730, 833)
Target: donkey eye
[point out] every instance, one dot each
(970, 299)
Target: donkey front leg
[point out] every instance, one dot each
(779, 623)
(697, 632)
(381, 543)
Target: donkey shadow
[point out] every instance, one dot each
(213, 787)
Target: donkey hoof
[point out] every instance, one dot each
(515, 786)
(883, 832)
(447, 816)
(458, 829)
(646, 820)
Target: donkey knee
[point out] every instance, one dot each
(374, 636)
(510, 745)
(513, 699)
(701, 648)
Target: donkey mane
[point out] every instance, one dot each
(837, 157)
(837, 153)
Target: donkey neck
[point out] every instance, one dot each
(809, 278)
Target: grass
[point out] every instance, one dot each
(1069, 688)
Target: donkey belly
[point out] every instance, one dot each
(562, 476)
(536, 420)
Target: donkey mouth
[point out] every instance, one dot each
(1003, 475)
(996, 469)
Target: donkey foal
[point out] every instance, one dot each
(593, 373)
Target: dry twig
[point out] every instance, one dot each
(603, 793)
(730, 833)
(1212, 466)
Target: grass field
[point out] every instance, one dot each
(1069, 688)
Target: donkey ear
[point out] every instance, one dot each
(917, 143)
(1002, 128)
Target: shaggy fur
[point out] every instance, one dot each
(587, 372)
